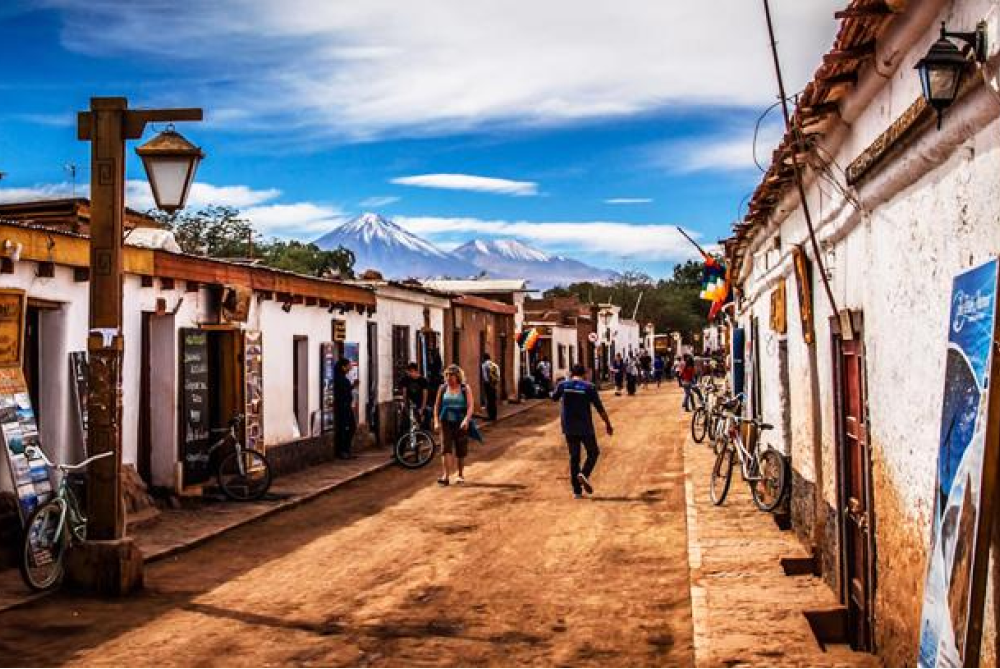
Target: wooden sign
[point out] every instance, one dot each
(194, 414)
(779, 322)
(339, 330)
(236, 304)
(11, 327)
(965, 497)
(803, 281)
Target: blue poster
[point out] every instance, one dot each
(947, 602)
(739, 365)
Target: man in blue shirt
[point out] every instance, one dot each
(578, 396)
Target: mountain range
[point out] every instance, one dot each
(381, 244)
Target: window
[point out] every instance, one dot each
(300, 382)
(572, 355)
(562, 356)
(400, 352)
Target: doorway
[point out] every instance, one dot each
(371, 409)
(855, 512)
(300, 383)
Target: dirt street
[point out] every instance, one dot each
(393, 570)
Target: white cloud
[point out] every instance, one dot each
(611, 239)
(363, 69)
(301, 220)
(378, 201)
(470, 182)
(629, 200)
(54, 191)
(139, 196)
(729, 152)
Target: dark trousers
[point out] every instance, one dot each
(575, 443)
(344, 435)
(490, 391)
(691, 390)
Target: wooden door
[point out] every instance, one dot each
(854, 459)
(144, 450)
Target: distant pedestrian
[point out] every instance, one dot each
(645, 367)
(545, 374)
(578, 397)
(631, 374)
(689, 381)
(345, 422)
(618, 370)
(659, 364)
(678, 369)
(490, 374)
(453, 410)
(416, 392)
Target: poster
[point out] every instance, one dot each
(18, 431)
(11, 326)
(959, 546)
(328, 362)
(253, 377)
(352, 351)
(194, 405)
(81, 383)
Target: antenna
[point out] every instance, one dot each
(70, 169)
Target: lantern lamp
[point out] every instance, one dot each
(941, 69)
(171, 162)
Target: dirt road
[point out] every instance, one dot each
(393, 570)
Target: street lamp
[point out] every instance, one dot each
(941, 69)
(109, 562)
(171, 162)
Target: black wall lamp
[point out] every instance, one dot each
(286, 307)
(941, 69)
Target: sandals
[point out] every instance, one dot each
(443, 481)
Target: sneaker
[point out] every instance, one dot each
(585, 482)
(577, 495)
(460, 480)
(443, 481)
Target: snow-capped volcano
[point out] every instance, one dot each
(512, 259)
(381, 244)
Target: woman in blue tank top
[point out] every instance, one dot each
(452, 412)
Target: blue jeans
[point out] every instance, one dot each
(691, 389)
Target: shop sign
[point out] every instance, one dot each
(328, 362)
(11, 327)
(803, 282)
(339, 330)
(779, 323)
(253, 376)
(965, 489)
(194, 405)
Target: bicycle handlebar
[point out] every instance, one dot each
(34, 451)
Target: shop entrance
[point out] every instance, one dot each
(854, 490)
(212, 383)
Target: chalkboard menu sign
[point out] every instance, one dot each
(327, 361)
(194, 405)
(81, 383)
(18, 431)
(253, 374)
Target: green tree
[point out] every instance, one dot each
(305, 258)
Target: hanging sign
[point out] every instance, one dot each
(81, 383)
(253, 378)
(327, 362)
(955, 589)
(339, 330)
(803, 281)
(779, 323)
(11, 326)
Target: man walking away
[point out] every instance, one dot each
(646, 363)
(491, 379)
(578, 396)
(658, 367)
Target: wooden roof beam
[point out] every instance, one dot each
(856, 53)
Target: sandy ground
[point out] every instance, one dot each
(393, 570)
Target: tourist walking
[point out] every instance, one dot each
(618, 369)
(631, 374)
(678, 368)
(645, 367)
(452, 417)
(659, 365)
(689, 382)
(345, 422)
(578, 397)
(490, 373)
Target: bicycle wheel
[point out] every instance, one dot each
(722, 474)
(248, 482)
(415, 449)
(699, 424)
(768, 490)
(42, 555)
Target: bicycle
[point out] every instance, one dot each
(415, 447)
(762, 469)
(52, 527)
(705, 409)
(243, 474)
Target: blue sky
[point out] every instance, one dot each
(588, 129)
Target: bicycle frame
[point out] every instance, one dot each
(745, 455)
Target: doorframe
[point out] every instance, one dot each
(842, 470)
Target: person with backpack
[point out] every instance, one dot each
(618, 370)
(453, 410)
(578, 397)
(491, 380)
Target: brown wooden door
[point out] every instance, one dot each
(855, 492)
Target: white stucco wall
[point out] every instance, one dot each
(397, 307)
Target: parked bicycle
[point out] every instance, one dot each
(763, 468)
(52, 528)
(243, 474)
(415, 447)
(705, 410)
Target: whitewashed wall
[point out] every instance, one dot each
(396, 307)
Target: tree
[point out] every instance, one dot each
(220, 232)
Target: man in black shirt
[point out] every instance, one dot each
(416, 391)
(578, 396)
(343, 407)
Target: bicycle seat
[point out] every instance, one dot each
(765, 426)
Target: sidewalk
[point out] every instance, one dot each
(176, 530)
(746, 611)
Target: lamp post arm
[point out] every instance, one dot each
(136, 120)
